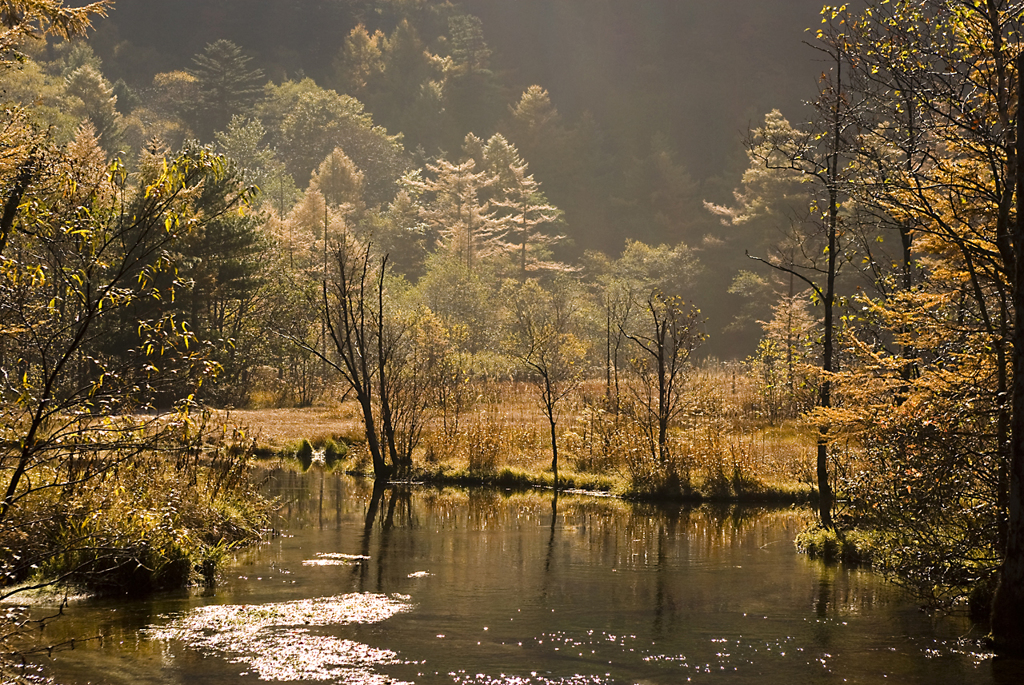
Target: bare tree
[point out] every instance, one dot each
(347, 295)
(665, 339)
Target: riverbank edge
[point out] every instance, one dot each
(595, 485)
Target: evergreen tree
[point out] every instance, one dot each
(91, 97)
(410, 98)
(472, 93)
(227, 86)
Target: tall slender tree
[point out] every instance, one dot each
(227, 86)
(821, 154)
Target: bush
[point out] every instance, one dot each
(333, 452)
(836, 545)
(304, 454)
(484, 444)
(148, 525)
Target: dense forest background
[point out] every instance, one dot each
(659, 96)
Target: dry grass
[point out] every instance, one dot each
(720, 446)
(281, 429)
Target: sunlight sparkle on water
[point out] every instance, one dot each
(334, 559)
(267, 637)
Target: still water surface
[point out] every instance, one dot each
(479, 587)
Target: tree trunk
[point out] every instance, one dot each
(1008, 605)
(663, 395)
(380, 467)
(825, 390)
(554, 447)
(383, 362)
(549, 406)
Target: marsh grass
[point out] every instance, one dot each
(720, 446)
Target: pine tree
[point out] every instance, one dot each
(227, 86)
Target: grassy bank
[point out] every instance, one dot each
(133, 524)
(850, 546)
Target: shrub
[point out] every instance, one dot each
(836, 545)
(148, 525)
(485, 441)
(304, 454)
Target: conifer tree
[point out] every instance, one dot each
(462, 224)
(92, 98)
(227, 86)
(527, 209)
(359, 65)
(471, 91)
(340, 180)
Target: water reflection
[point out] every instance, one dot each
(528, 587)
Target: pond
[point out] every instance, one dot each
(421, 585)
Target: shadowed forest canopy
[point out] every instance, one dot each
(695, 72)
(698, 72)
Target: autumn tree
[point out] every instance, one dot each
(23, 19)
(244, 143)
(939, 161)
(527, 210)
(451, 205)
(622, 286)
(464, 301)
(90, 97)
(360, 63)
(664, 336)
(340, 181)
(424, 374)
(86, 272)
(543, 336)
